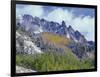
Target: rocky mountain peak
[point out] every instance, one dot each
(27, 17)
(63, 23)
(70, 27)
(35, 23)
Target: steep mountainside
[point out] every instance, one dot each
(39, 35)
(43, 45)
(37, 25)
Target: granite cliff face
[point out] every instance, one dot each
(24, 44)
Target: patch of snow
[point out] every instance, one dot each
(68, 36)
(39, 30)
(75, 40)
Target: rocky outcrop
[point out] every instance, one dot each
(24, 44)
(20, 69)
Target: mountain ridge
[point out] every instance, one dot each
(38, 25)
(46, 34)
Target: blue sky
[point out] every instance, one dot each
(81, 19)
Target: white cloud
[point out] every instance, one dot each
(59, 14)
(33, 10)
(84, 24)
